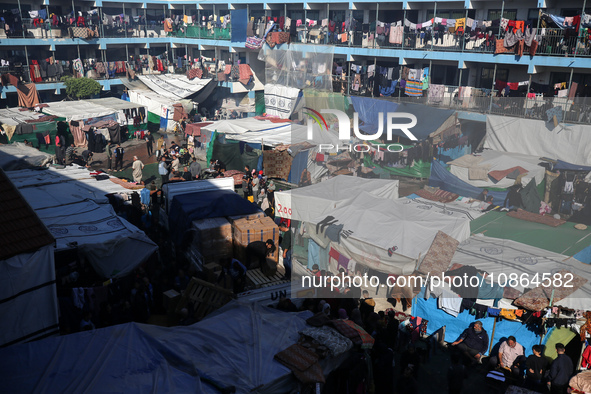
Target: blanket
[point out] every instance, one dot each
(302, 362)
(539, 298)
(536, 218)
(440, 254)
(277, 164)
(498, 175)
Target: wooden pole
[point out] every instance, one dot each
(492, 336)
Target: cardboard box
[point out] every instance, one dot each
(245, 231)
(213, 239)
(170, 299)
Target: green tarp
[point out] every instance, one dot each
(420, 169)
(229, 153)
(564, 239)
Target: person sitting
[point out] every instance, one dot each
(510, 357)
(484, 197)
(513, 199)
(186, 175)
(473, 342)
(87, 157)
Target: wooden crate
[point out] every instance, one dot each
(205, 296)
(256, 279)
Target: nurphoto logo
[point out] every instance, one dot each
(344, 125)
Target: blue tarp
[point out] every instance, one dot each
(447, 155)
(563, 165)
(429, 119)
(454, 326)
(141, 358)
(443, 179)
(299, 163)
(186, 208)
(239, 20)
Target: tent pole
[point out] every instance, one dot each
(262, 145)
(581, 355)
(492, 336)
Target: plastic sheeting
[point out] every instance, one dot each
(33, 312)
(454, 326)
(244, 125)
(77, 110)
(536, 138)
(307, 203)
(112, 245)
(299, 66)
(443, 179)
(15, 116)
(186, 208)
(461, 207)
(173, 86)
(499, 161)
(19, 156)
(500, 256)
(387, 235)
(144, 358)
(369, 109)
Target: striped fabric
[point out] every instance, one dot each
(414, 88)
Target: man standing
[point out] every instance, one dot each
(560, 371)
(119, 151)
(473, 342)
(160, 144)
(149, 143)
(536, 366)
(195, 169)
(286, 248)
(175, 162)
(138, 166)
(109, 157)
(509, 357)
(163, 170)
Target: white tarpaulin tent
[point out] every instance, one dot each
(46, 187)
(245, 125)
(500, 256)
(385, 235)
(569, 143)
(121, 106)
(462, 207)
(310, 202)
(18, 155)
(493, 160)
(77, 110)
(112, 245)
(156, 104)
(15, 116)
(280, 100)
(174, 87)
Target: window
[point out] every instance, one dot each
(487, 74)
(507, 14)
(313, 15)
(450, 14)
(337, 16)
(533, 14)
(358, 15)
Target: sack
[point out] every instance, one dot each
(269, 267)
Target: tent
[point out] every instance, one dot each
(308, 202)
(21, 124)
(462, 207)
(80, 110)
(564, 239)
(383, 234)
(112, 245)
(500, 162)
(28, 306)
(537, 138)
(442, 178)
(126, 112)
(54, 186)
(146, 358)
(174, 86)
(498, 258)
(19, 156)
(244, 125)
